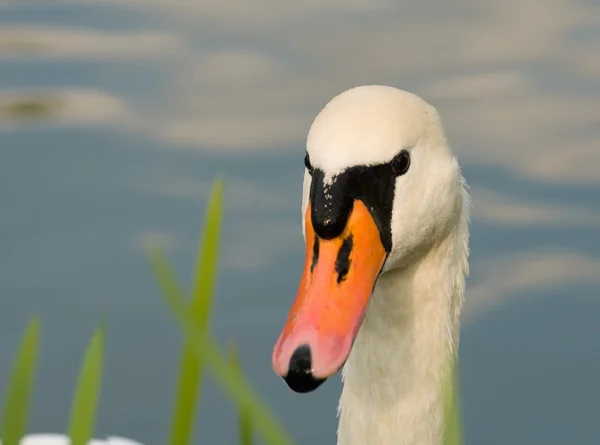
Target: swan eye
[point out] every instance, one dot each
(307, 164)
(401, 163)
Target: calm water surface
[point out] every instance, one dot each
(147, 105)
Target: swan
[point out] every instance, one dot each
(386, 218)
(61, 439)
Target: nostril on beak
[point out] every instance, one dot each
(299, 377)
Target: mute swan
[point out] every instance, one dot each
(60, 439)
(386, 227)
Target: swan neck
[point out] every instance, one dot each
(395, 377)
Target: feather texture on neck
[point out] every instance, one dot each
(395, 376)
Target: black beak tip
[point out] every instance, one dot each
(302, 384)
(299, 377)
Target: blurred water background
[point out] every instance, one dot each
(116, 115)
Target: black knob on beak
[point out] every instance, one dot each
(299, 377)
(331, 205)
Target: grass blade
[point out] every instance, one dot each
(245, 423)
(228, 377)
(452, 409)
(190, 374)
(87, 391)
(20, 386)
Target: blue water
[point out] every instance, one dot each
(77, 200)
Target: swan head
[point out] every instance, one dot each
(381, 187)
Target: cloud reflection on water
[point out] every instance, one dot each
(516, 85)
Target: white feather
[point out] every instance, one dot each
(61, 439)
(394, 377)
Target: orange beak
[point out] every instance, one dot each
(337, 282)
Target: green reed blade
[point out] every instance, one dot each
(228, 377)
(452, 409)
(20, 386)
(205, 274)
(87, 391)
(244, 421)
